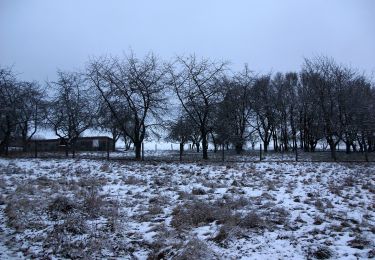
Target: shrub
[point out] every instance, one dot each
(223, 233)
(233, 202)
(44, 181)
(132, 180)
(74, 224)
(198, 191)
(59, 207)
(195, 249)
(318, 220)
(321, 252)
(252, 220)
(21, 211)
(359, 242)
(277, 216)
(60, 242)
(93, 204)
(155, 209)
(105, 168)
(197, 212)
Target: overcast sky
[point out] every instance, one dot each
(37, 37)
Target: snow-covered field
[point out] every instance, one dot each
(124, 210)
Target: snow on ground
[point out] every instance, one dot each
(66, 208)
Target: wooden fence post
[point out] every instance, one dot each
(143, 151)
(181, 150)
(35, 149)
(107, 144)
(296, 154)
(223, 155)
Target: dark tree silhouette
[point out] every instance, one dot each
(195, 83)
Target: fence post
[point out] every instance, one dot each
(143, 151)
(296, 154)
(181, 150)
(223, 155)
(35, 149)
(107, 149)
(260, 153)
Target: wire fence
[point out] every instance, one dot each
(218, 156)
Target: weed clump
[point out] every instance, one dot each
(321, 252)
(195, 213)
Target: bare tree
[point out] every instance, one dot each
(181, 131)
(72, 108)
(105, 121)
(327, 81)
(235, 111)
(263, 103)
(195, 83)
(285, 86)
(9, 100)
(32, 111)
(359, 118)
(135, 86)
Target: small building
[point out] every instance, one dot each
(90, 143)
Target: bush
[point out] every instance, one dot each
(321, 252)
(16, 217)
(252, 220)
(277, 216)
(197, 212)
(132, 180)
(93, 204)
(195, 249)
(74, 224)
(359, 242)
(227, 231)
(61, 243)
(59, 207)
(198, 191)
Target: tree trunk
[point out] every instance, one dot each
(24, 143)
(275, 143)
(73, 149)
(138, 150)
(265, 144)
(181, 150)
(354, 147)
(312, 145)
(239, 148)
(370, 144)
(332, 147)
(295, 145)
(364, 147)
(347, 145)
(286, 146)
(204, 145)
(214, 142)
(114, 145)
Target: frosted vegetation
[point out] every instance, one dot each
(124, 210)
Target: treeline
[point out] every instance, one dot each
(134, 99)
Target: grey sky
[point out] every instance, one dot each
(37, 37)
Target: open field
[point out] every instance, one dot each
(66, 208)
